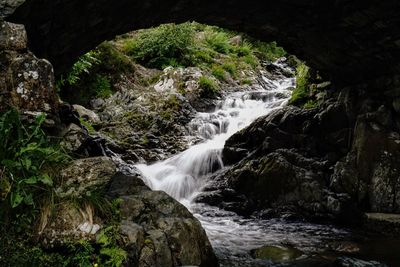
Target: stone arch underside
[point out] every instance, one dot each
(348, 41)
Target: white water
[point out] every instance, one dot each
(184, 175)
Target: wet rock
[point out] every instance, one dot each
(353, 262)
(386, 223)
(172, 236)
(86, 114)
(86, 175)
(277, 253)
(73, 137)
(370, 172)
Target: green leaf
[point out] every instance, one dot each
(27, 163)
(29, 200)
(16, 199)
(31, 180)
(46, 179)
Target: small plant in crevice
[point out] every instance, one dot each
(309, 88)
(208, 87)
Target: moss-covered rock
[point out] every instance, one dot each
(277, 253)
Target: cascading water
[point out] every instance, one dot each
(184, 175)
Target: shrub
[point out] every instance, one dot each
(162, 46)
(209, 89)
(251, 60)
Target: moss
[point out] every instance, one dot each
(301, 94)
(277, 254)
(87, 125)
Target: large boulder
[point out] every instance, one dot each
(84, 176)
(158, 230)
(69, 222)
(27, 82)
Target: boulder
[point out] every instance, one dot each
(73, 137)
(158, 230)
(12, 36)
(86, 114)
(84, 176)
(27, 82)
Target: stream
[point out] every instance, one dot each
(184, 175)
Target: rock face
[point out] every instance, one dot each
(347, 40)
(27, 83)
(330, 162)
(7, 7)
(158, 230)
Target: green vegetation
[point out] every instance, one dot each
(83, 66)
(29, 161)
(308, 85)
(218, 72)
(217, 52)
(269, 51)
(166, 45)
(209, 89)
(301, 93)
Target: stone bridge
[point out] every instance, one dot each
(349, 41)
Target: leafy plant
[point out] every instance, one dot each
(230, 67)
(101, 87)
(82, 66)
(111, 254)
(27, 158)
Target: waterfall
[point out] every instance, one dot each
(183, 175)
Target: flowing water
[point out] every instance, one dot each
(184, 175)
